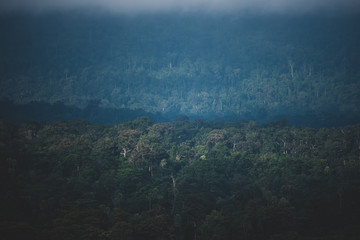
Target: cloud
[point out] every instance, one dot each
(184, 5)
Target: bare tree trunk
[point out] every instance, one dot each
(291, 65)
(174, 193)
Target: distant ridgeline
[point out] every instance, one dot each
(303, 68)
(45, 112)
(94, 113)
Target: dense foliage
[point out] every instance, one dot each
(46, 112)
(179, 180)
(255, 67)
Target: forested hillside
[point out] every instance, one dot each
(254, 67)
(58, 111)
(140, 175)
(180, 180)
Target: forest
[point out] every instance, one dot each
(179, 126)
(304, 68)
(178, 180)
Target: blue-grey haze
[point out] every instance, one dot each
(126, 6)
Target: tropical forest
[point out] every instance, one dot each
(179, 125)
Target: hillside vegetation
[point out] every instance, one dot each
(255, 67)
(179, 180)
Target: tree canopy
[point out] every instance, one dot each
(179, 180)
(254, 67)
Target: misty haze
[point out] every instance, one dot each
(180, 120)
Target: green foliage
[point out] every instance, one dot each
(180, 180)
(249, 66)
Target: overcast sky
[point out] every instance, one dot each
(185, 5)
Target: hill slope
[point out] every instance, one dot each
(255, 67)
